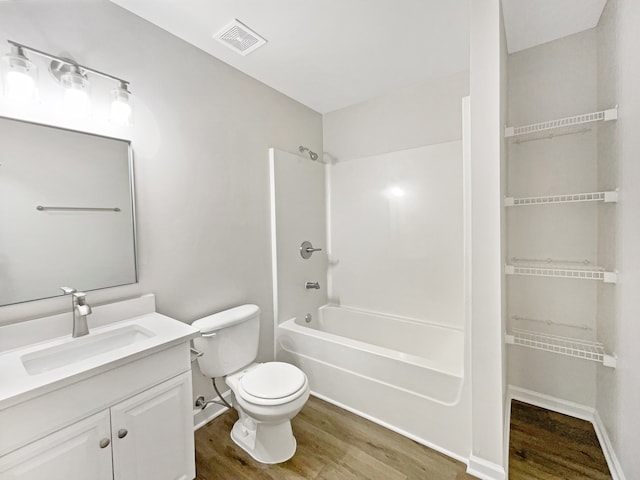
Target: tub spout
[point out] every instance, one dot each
(312, 285)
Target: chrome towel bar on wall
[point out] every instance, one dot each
(77, 209)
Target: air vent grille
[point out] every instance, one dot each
(239, 38)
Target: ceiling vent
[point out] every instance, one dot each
(240, 38)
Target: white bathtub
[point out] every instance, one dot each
(404, 374)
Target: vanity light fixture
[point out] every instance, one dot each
(21, 83)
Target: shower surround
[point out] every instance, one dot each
(385, 336)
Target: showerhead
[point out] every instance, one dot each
(312, 155)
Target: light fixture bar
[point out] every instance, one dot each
(68, 62)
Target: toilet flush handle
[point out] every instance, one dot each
(207, 335)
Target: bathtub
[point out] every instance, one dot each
(404, 374)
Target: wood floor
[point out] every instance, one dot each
(545, 445)
(334, 444)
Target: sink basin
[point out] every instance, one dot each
(78, 349)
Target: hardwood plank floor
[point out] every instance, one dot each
(546, 445)
(333, 444)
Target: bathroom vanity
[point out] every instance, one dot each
(115, 404)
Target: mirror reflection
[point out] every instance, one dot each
(66, 211)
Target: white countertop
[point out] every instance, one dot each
(17, 385)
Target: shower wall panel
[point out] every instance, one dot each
(397, 233)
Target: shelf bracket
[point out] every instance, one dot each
(609, 361)
(611, 114)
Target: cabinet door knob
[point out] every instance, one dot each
(122, 433)
(104, 443)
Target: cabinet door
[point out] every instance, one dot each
(80, 451)
(152, 433)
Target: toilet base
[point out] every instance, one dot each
(266, 442)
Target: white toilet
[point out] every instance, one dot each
(266, 395)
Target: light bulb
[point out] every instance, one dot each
(397, 192)
(20, 78)
(76, 102)
(121, 111)
(76, 96)
(20, 86)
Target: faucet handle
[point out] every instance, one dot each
(68, 290)
(79, 297)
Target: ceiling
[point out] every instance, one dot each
(330, 54)
(532, 22)
(327, 54)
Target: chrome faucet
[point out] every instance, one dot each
(80, 309)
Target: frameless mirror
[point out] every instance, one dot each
(66, 211)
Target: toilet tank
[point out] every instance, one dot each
(228, 340)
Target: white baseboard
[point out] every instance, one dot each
(554, 404)
(607, 448)
(575, 410)
(506, 432)
(481, 468)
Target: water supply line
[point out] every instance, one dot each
(200, 402)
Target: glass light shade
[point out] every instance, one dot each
(76, 93)
(397, 192)
(121, 108)
(20, 77)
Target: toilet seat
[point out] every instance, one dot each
(272, 383)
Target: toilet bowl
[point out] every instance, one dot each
(266, 395)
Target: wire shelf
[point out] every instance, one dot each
(561, 345)
(561, 272)
(606, 197)
(534, 128)
(551, 322)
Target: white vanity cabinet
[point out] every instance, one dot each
(73, 452)
(129, 418)
(152, 433)
(149, 437)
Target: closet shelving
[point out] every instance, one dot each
(584, 349)
(571, 347)
(606, 197)
(561, 271)
(562, 123)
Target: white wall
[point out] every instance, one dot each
(399, 255)
(423, 115)
(487, 394)
(200, 139)
(608, 170)
(627, 437)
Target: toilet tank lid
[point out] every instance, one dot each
(226, 318)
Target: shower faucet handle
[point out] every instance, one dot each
(306, 249)
(312, 285)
